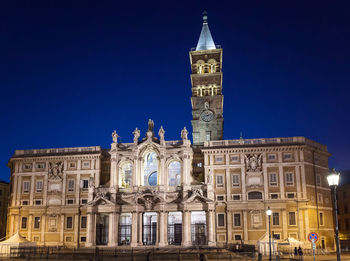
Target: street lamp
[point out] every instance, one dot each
(269, 213)
(333, 181)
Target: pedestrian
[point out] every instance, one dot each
(202, 257)
(300, 251)
(295, 252)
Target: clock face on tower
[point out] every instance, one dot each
(207, 115)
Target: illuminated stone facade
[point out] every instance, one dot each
(158, 192)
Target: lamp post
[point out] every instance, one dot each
(269, 213)
(333, 181)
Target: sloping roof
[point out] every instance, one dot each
(205, 41)
(16, 238)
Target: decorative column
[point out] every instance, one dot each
(306, 218)
(300, 224)
(229, 226)
(14, 194)
(162, 228)
(297, 176)
(140, 228)
(266, 178)
(134, 230)
(281, 175)
(76, 229)
(30, 226)
(284, 224)
(62, 229)
(112, 230)
(211, 227)
(89, 239)
(186, 228)
(31, 191)
(45, 185)
(43, 228)
(245, 226)
(19, 190)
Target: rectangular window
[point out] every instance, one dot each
(221, 220)
(26, 185)
(85, 184)
(236, 197)
(83, 222)
(86, 164)
(69, 222)
(36, 222)
(71, 185)
(274, 195)
(40, 165)
(234, 158)
(38, 202)
(287, 156)
(219, 181)
(271, 157)
(289, 179)
(84, 201)
(318, 180)
(237, 220)
(219, 159)
(72, 165)
(238, 237)
(39, 186)
(292, 220)
(275, 218)
(235, 180)
(25, 203)
(347, 224)
(321, 219)
(273, 179)
(220, 198)
(27, 166)
(24, 223)
(277, 236)
(290, 195)
(83, 239)
(70, 201)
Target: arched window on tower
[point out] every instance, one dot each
(150, 171)
(174, 173)
(125, 175)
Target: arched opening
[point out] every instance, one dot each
(150, 171)
(174, 173)
(255, 195)
(125, 175)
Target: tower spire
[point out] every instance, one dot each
(205, 41)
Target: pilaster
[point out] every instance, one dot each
(31, 203)
(186, 232)
(284, 224)
(245, 226)
(134, 229)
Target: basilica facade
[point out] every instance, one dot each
(209, 192)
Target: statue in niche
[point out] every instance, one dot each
(136, 135)
(206, 105)
(55, 170)
(115, 137)
(161, 133)
(150, 125)
(253, 162)
(184, 134)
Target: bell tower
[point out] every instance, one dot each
(207, 100)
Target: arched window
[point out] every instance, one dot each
(255, 195)
(150, 171)
(174, 173)
(125, 175)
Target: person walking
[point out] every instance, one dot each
(295, 252)
(300, 252)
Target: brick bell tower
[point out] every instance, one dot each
(206, 79)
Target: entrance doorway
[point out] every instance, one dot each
(150, 228)
(102, 224)
(199, 227)
(174, 228)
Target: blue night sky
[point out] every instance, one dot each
(71, 72)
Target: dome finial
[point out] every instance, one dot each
(205, 16)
